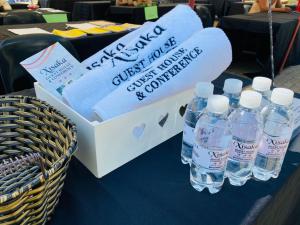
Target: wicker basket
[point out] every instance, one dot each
(31, 128)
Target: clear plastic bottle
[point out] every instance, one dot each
(202, 91)
(246, 130)
(232, 89)
(278, 127)
(263, 86)
(212, 139)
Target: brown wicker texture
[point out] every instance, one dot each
(36, 145)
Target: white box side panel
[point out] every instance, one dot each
(86, 143)
(123, 138)
(103, 147)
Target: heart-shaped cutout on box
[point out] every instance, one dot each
(138, 130)
(163, 119)
(182, 110)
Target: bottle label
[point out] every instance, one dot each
(188, 135)
(274, 147)
(213, 160)
(243, 152)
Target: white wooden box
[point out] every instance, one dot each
(105, 146)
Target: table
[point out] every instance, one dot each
(90, 10)
(154, 189)
(222, 6)
(19, 5)
(85, 46)
(244, 29)
(134, 14)
(66, 5)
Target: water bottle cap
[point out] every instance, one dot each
(204, 89)
(261, 84)
(217, 104)
(250, 99)
(282, 96)
(232, 86)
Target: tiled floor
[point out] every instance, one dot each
(289, 78)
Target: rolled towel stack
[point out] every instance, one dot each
(161, 37)
(203, 57)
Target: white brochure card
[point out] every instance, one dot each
(54, 67)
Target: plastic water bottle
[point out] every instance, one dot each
(278, 127)
(263, 85)
(212, 139)
(196, 106)
(246, 130)
(232, 89)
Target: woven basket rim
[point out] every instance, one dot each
(55, 166)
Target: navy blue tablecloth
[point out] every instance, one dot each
(90, 10)
(85, 46)
(154, 189)
(131, 14)
(253, 30)
(134, 14)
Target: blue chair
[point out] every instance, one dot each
(14, 50)
(22, 17)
